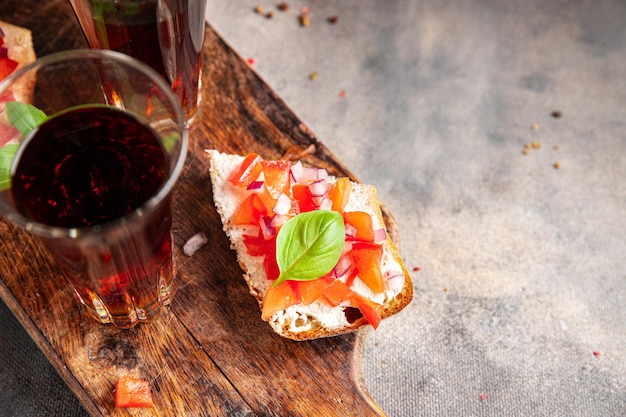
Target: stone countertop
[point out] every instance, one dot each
(512, 217)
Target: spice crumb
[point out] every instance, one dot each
(342, 93)
(416, 269)
(597, 353)
(269, 15)
(333, 19)
(535, 126)
(557, 165)
(259, 9)
(305, 10)
(556, 114)
(304, 20)
(314, 75)
(446, 289)
(483, 397)
(536, 144)
(251, 61)
(283, 7)
(526, 151)
(555, 147)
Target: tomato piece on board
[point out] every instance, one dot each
(259, 246)
(7, 66)
(304, 198)
(371, 311)
(337, 292)
(132, 392)
(247, 172)
(312, 290)
(279, 298)
(363, 224)
(367, 260)
(277, 177)
(339, 194)
(249, 211)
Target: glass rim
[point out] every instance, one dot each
(44, 230)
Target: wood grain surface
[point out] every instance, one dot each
(210, 354)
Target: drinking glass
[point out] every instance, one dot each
(92, 174)
(168, 35)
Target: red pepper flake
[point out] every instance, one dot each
(251, 61)
(416, 269)
(333, 19)
(556, 114)
(483, 397)
(342, 93)
(597, 353)
(283, 7)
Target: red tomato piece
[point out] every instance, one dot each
(312, 290)
(337, 292)
(259, 246)
(304, 198)
(367, 260)
(279, 298)
(339, 193)
(371, 311)
(7, 66)
(363, 224)
(132, 392)
(277, 177)
(247, 172)
(249, 211)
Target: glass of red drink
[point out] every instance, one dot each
(168, 35)
(90, 170)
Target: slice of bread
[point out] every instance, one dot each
(318, 319)
(19, 44)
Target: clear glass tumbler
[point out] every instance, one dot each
(99, 142)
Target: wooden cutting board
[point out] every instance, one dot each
(209, 354)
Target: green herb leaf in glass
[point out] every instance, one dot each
(309, 245)
(7, 153)
(24, 117)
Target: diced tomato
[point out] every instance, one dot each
(304, 198)
(367, 258)
(132, 392)
(277, 177)
(339, 194)
(353, 273)
(259, 246)
(7, 133)
(249, 211)
(371, 311)
(279, 298)
(7, 66)
(337, 292)
(363, 224)
(247, 172)
(312, 290)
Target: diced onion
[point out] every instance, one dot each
(255, 185)
(283, 204)
(342, 267)
(279, 220)
(194, 243)
(268, 231)
(319, 188)
(380, 235)
(326, 203)
(322, 173)
(350, 230)
(308, 175)
(296, 171)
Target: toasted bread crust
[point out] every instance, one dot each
(363, 197)
(19, 43)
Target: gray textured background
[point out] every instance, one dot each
(522, 268)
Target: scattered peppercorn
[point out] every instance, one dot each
(526, 151)
(536, 144)
(283, 7)
(314, 75)
(556, 114)
(269, 15)
(304, 20)
(333, 19)
(557, 165)
(259, 9)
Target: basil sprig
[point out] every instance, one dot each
(309, 245)
(24, 117)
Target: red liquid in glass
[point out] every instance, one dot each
(87, 167)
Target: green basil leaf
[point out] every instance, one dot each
(25, 117)
(6, 159)
(309, 245)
